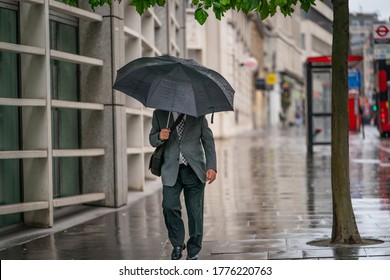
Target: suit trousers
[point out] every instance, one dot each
(193, 189)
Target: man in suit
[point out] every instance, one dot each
(189, 162)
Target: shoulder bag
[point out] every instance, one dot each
(157, 158)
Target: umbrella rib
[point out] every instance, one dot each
(220, 85)
(149, 96)
(138, 84)
(208, 96)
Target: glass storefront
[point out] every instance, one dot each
(65, 122)
(10, 169)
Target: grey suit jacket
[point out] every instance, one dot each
(197, 145)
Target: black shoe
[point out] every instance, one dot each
(192, 257)
(177, 252)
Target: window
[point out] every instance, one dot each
(318, 18)
(355, 23)
(367, 23)
(65, 122)
(10, 169)
(321, 46)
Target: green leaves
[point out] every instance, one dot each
(265, 8)
(201, 15)
(70, 2)
(306, 4)
(280, 2)
(92, 3)
(142, 5)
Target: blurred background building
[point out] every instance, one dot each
(361, 44)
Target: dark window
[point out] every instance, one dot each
(316, 17)
(10, 169)
(65, 122)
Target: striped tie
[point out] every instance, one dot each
(180, 129)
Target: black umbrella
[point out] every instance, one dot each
(175, 84)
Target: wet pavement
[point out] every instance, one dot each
(268, 202)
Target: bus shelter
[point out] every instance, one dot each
(319, 99)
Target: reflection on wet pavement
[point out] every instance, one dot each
(268, 201)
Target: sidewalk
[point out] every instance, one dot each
(268, 201)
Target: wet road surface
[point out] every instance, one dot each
(268, 201)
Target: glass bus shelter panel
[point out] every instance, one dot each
(322, 130)
(322, 92)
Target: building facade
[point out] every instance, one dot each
(362, 44)
(225, 45)
(261, 92)
(289, 41)
(66, 137)
(283, 56)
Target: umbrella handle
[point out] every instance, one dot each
(169, 116)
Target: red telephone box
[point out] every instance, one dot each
(355, 116)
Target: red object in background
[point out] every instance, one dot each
(328, 59)
(355, 116)
(382, 80)
(382, 70)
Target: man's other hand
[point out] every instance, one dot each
(211, 174)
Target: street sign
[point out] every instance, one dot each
(381, 37)
(261, 84)
(354, 79)
(382, 51)
(271, 79)
(381, 33)
(251, 64)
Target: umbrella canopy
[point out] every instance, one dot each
(175, 84)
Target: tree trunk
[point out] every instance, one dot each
(344, 230)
